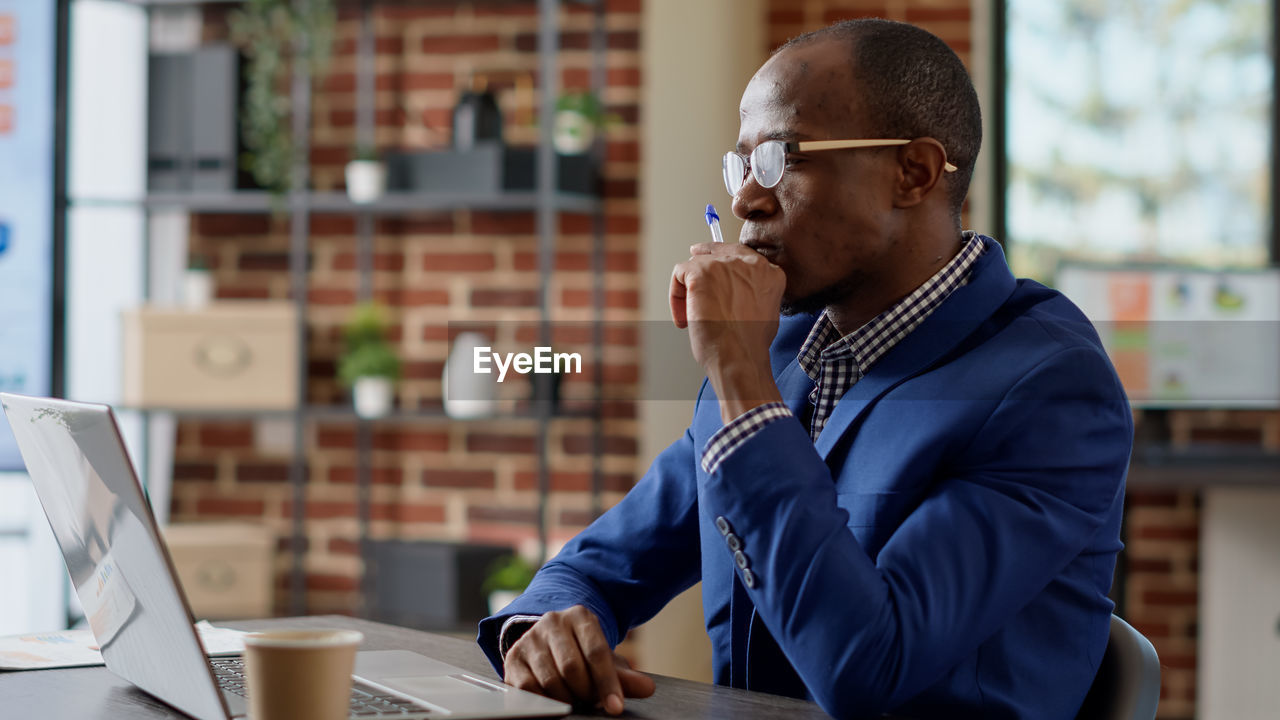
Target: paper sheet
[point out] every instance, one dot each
(78, 648)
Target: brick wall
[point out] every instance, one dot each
(437, 479)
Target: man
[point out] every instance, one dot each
(904, 496)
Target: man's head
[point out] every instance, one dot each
(859, 226)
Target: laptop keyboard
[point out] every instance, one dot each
(365, 701)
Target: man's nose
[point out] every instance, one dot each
(754, 202)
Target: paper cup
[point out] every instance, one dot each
(300, 674)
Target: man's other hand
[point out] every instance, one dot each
(566, 656)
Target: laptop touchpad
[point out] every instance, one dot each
(428, 687)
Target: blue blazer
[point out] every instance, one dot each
(945, 548)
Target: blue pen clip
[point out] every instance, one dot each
(713, 220)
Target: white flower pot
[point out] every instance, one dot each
(574, 133)
(499, 599)
(366, 180)
(197, 288)
(373, 396)
(468, 394)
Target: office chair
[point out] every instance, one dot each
(1127, 686)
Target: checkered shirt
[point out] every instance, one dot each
(836, 363)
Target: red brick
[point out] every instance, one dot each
(230, 507)
(576, 518)
(417, 225)
(428, 81)
(332, 582)
(420, 370)
(263, 261)
(504, 298)
(411, 513)
(503, 223)
(611, 444)
(344, 475)
(218, 225)
(450, 44)
(335, 437)
(412, 297)
(331, 296)
(625, 299)
(955, 13)
(1151, 498)
(458, 262)
(575, 481)
(485, 513)
(617, 188)
(1150, 565)
(186, 471)
(382, 262)
(458, 478)
(325, 225)
(495, 443)
(262, 472)
(243, 293)
(1162, 532)
(1175, 598)
(226, 436)
(423, 441)
(623, 152)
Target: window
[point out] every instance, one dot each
(1135, 131)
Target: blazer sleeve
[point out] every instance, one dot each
(627, 564)
(1025, 499)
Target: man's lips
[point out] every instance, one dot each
(768, 250)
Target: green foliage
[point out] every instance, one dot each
(586, 104)
(274, 35)
(367, 351)
(364, 152)
(509, 572)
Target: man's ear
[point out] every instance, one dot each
(921, 164)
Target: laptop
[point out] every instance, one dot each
(138, 612)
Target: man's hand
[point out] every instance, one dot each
(728, 296)
(565, 656)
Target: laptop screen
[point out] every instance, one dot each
(108, 537)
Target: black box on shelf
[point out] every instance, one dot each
(191, 119)
(488, 168)
(429, 585)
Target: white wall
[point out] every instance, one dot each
(698, 57)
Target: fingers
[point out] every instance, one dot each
(634, 684)
(566, 656)
(676, 296)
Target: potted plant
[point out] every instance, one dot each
(579, 115)
(366, 176)
(197, 282)
(274, 36)
(369, 364)
(508, 576)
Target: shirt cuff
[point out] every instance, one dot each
(512, 629)
(738, 431)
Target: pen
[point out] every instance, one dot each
(714, 221)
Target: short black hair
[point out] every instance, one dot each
(913, 85)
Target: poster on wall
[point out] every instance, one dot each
(27, 67)
(1182, 337)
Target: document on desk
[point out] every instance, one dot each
(78, 648)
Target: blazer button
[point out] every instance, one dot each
(741, 559)
(723, 526)
(733, 542)
(748, 578)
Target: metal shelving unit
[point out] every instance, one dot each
(300, 204)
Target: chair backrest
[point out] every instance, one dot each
(1127, 686)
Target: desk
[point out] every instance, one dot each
(97, 694)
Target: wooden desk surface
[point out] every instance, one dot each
(97, 694)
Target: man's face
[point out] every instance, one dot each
(829, 223)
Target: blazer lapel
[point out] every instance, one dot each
(989, 287)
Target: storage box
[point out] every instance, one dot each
(488, 168)
(427, 584)
(241, 355)
(225, 568)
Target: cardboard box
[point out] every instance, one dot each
(241, 355)
(225, 568)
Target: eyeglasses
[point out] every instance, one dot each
(769, 159)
